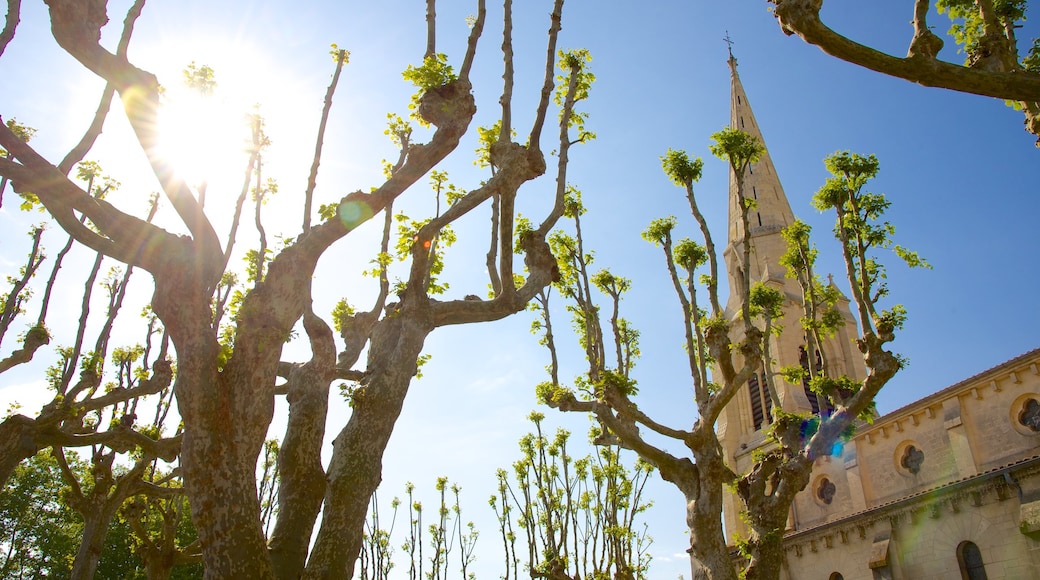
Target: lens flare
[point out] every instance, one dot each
(353, 213)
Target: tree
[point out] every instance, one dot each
(228, 367)
(566, 517)
(727, 347)
(579, 517)
(40, 531)
(43, 533)
(89, 411)
(985, 30)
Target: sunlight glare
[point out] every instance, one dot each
(204, 137)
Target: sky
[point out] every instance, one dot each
(955, 166)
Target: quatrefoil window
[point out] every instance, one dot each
(1030, 415)
(825, 491)
(912, 459)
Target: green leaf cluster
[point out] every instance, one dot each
(613, 381)
(968, 27)
(341, 314)
(201, 79)
(408, 241)
(339, 54)
(680, 169)
(550, 394)
(689, 255)
(434, 72)
(659, 232)
(740, 149)
(575, 62)
(766, 301)
(486, 137)
(398, 129)
(23, 132)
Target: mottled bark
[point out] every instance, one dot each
(302, 487)
(34, 339)
(767, 493)
(98, 505)
(707, 540)
(356, 467)
(17, 442)
(95, 529)
(226, 413)
(10, 25)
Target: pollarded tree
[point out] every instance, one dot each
(99, 390)
(572, 518)
(226, 374)
(726, 348)
(89, 411)
(985, 30)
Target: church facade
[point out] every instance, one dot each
(945, 487)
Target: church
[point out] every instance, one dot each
(945, 487)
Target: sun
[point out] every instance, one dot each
(203, 132)
(206, 119)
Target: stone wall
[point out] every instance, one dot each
(903, 496)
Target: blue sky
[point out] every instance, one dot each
(956, 167)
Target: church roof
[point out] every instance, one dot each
(938, 396)
(931, 493)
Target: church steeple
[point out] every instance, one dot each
(742, 426)
(761, 184)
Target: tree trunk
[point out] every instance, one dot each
(17, 442)
(302, 486)
(95, 530)
(219, 468)
(709, 553)
(227, 411)
(767, 554)
(159, 566)
(218, 458)
(768, 515)
(356, 467)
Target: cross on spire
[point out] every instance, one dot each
(729, 46)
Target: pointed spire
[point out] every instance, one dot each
(761, 183)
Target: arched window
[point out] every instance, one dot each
(814, 399)
(970, 560)
(761, 402)
(835, 576)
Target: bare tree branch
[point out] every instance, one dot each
(802, 17)
(312, 179)
(11, 24)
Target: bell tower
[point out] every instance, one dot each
(743, 423)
